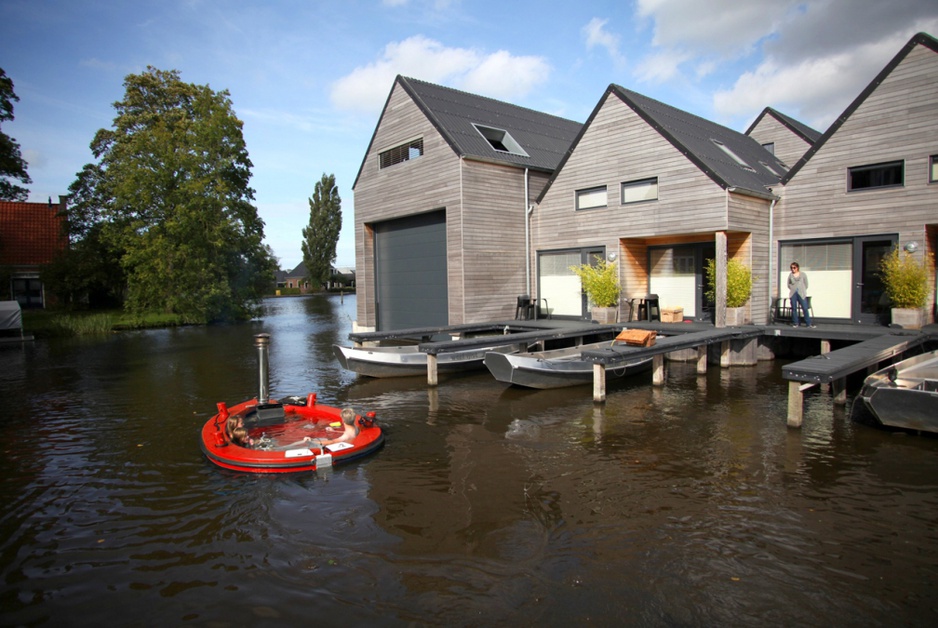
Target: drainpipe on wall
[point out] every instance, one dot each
(528, 208)
(772, 249)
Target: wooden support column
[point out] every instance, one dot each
(725, 354)
(432, 375)
(599, 383)
(839, 390)
(701, 359)
(825, 346)
(795, 404)
(657, 370)
(719, 314)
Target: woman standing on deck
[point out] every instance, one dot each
(798, 292)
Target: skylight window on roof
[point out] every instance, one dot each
(500, 140)
(769, 168)
(739, 160)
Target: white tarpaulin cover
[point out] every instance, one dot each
(11, 317)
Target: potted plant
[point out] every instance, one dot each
(600, 282)
(905, 280)
(738, 289)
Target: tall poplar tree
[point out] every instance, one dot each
(321, 235)
(171, 187)
(12, 164)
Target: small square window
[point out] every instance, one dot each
(399, 154)
(933, 169)
(769, 146)
(591, 198)
(640, 191)
(883, 175)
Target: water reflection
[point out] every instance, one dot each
(688, 504)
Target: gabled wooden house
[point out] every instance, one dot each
(783, 136)
(662, 191)
(31, 235)
(442, 200)
(870, 183)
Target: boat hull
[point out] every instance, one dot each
(905, 395)
(558, 368)
(291, 421)
(408, 361)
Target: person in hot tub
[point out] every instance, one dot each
(349, 431)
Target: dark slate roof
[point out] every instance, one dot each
(923, 39)
(692, 136)
(544, 137)
(800, 129)
(299, 271)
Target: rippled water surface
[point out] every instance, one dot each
(690, 504)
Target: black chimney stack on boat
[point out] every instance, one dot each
(262, 342)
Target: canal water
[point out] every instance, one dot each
(690, 504)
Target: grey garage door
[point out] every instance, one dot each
(410, 272)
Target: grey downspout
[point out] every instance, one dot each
(527, 235)
(772, 250)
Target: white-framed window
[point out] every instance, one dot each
(884, 175)
(933, 169)
(500, 140)
(640, 191)
(591, 198)
(401, 153)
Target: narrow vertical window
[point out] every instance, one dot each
(933, 169)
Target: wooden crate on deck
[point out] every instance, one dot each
(637, 337)
(672, 315)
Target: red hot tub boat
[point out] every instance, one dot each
(278, 430)
(285, 433)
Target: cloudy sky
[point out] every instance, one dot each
(309, 77)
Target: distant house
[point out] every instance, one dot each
(31, 235)
(343, 276)
(296, 278)
(463, 202)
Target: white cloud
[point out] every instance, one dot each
(815, 86)
(499, 75)
(660, 67)
(597, 35)
(720, 27)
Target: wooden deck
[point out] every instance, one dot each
(833, 367)
(871, 346)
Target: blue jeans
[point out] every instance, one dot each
(797, 300)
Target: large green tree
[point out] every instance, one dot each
(12, 165)
(171, 191)
(321, 235)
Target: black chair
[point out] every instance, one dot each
(648, 308)
(524, 310)
(782, 310)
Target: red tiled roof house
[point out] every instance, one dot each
(31, 235)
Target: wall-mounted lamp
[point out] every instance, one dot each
(911, 247)
(611, 257)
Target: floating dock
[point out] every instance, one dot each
(871, 346)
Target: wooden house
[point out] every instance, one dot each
(463, 202)
(870, 183)
(662, 191)
(442, 201)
